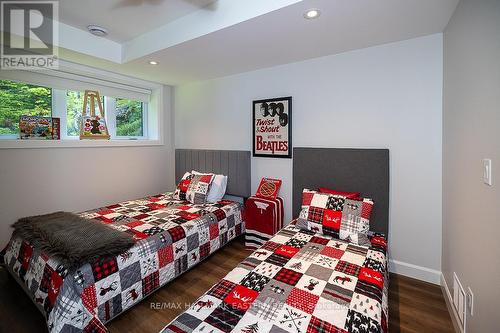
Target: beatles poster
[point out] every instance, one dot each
(272, 127)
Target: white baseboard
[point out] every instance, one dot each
(414, 271)
(449, 304)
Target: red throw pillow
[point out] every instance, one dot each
(348, 195)
(194, 188)
(336, 216)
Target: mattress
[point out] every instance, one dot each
(171, 237)
(298, 281)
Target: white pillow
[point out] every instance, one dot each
(217, 188)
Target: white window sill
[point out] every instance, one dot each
(17, 144)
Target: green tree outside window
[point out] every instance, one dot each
(74, 106)
(128, 117)
(19, 99)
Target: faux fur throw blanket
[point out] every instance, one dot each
(72, 239)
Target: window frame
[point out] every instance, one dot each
(59, 110)
(110, 104)
(153, 110)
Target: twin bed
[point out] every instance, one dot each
(299, 281)
(171, 237)
(306, 281)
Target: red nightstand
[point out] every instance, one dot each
(263, 219)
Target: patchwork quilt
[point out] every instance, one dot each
(299, 281)
(171, 237)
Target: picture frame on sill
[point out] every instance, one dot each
(272, 127)
(93, 126)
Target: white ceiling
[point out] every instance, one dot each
(277, 35)
(127, 19)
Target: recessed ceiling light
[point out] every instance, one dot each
(152, 62)
(97, 30)
(312, 14)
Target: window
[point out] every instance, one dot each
(126, 118)
(74, 106)
(129, 117)
(134, 108)
(19, 99)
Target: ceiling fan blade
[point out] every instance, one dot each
(202, 4)
(135, 3)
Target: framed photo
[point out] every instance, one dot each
(272, 127)
(93, 127)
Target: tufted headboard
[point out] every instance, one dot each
(233, 163)
(356, 170)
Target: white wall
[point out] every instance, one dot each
(471, 210)
(38, 181)
(388, 96)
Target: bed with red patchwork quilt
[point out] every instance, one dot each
(171, 237)
(299, 281)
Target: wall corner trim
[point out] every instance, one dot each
(417, 272)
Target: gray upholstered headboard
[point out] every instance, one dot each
(356, 170)
(233, 163)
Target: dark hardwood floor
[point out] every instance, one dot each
(414, 306)
(417, 307)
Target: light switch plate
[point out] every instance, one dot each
(487, 172)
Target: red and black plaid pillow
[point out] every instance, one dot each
(182, 187)
(194, 188)
(336, 215)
